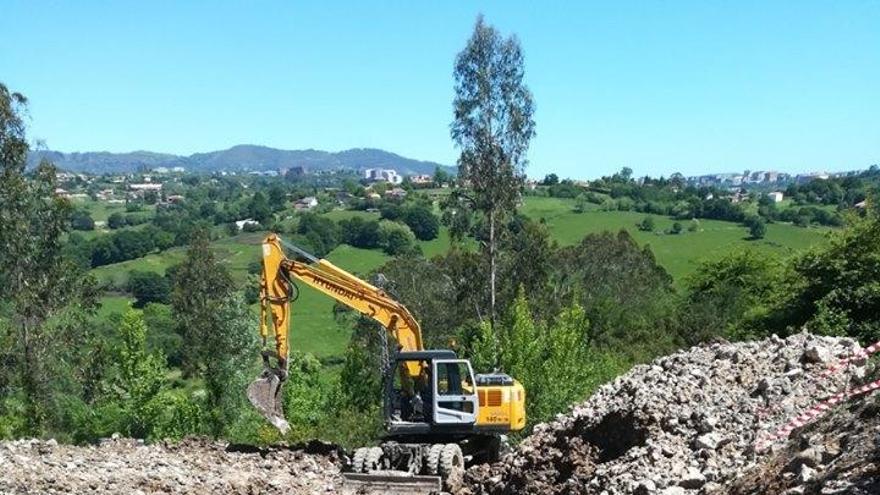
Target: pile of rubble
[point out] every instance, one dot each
(686, 423)
(838, 454)
(193, 466)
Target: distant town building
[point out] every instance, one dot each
(62, 193)
(306, 203)
(421, 179)
(396, 193)
(240, 224)
(776, 196)
(146, 186)
(373, 195)
(803, 178)
(161, 170)
(386, 174)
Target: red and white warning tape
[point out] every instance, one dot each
(814, 412)
(825, 405)
(857, 356)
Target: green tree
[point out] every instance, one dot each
(116, 220)
(37, 282)
(492, 126)
(550, 180)
(441, 177)
(228, 364)
(609, 275)
(423, 222)
(162, 336)
(836, 286)
(148, 287)
(361, 233)
(396, 239)
(81, 220)
(258, 208)
(552, 360)
(676, 228)
(140, 379)
(320, 233)
(201, 285)
(757, 227)
(731, 296)
(580, 204)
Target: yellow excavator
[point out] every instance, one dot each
(438, 414)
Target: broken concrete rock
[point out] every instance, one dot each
(192, 466)
(687, 422)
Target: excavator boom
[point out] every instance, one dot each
(276, 292)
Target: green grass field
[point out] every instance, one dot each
(678, 254)
(315, 330)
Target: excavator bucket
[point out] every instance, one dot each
(265, 393)
(390, 483)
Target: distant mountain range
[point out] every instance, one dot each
(242, 157)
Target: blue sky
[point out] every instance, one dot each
(694, 87)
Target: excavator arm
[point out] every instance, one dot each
(276, 292)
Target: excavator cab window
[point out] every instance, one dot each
(455, 401)
(412, 397)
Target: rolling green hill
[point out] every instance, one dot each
(315, 330)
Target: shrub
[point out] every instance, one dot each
(423, 222)
(81, 220)
(360, 233)
(148, 287)
(396, 238)
(647, 224)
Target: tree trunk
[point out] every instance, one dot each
(492, 253)
(27, 373)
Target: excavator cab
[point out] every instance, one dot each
(444, 393)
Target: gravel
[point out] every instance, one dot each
(685, 423)
(193, 466)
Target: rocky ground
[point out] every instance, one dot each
(684, 424)
(688, 423)
(836, 455)
(189, 467)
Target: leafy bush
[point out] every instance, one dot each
(148, 287)
(360, 233)
(81, 220)
(647, 224)
(321, 233)
(396, 238)
(757, 227)
(423, 222)
(552, 361)
(116, 220)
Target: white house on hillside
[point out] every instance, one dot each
(306, 203)
(776, 196)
